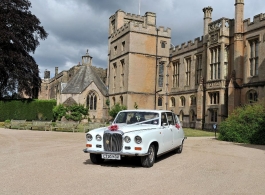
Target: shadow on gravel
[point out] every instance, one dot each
(165, 156)
(132, 162)
(260, 147)
(88, 162)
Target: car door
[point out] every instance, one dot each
(174, 129)
(180, 134)
(167, 133)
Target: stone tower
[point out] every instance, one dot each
(238, 40)
(136, 47)
(207, 18)
(237, 64)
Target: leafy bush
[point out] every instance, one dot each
(116, 109)
(245, 125)
(59, 111)
(74, 112)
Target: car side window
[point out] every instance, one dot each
(163, 118)
(170, 118)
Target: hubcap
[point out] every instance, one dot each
(151, 154)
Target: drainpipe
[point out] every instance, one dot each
(156, 65)
(203, 105)
(167, 85)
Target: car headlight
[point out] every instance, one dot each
(89, 137)
(127, 139)
(138, 139)
(98, 137)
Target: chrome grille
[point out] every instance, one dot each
(112, 142)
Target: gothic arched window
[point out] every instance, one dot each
(182, 101)
(92, 101)
(173, 102)
(160, 101)
(121, 100)
(192, 116)
(192, 100)
(252, 96)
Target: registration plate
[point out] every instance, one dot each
(111, 156)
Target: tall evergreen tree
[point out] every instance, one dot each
(20, 32)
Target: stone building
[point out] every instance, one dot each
(135, 43)
(82, 84)
(202, 80)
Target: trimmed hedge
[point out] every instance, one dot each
(245, 125)
(26, 109)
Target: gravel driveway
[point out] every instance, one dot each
(38, 162)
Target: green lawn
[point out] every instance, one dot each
(198, 133)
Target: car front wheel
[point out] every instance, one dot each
(96, 158)
(148, 161)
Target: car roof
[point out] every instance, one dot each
(145, 110)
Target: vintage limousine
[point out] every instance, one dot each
(144, 133)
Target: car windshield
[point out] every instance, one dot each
(132, 117)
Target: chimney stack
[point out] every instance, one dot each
(56, 71)
(207, 18)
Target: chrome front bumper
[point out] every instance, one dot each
(86, 150)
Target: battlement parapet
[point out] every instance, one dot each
(258, 21)
(141, 28)
(162, 30)
(187, 46)
(222, 23)
(128, 16)
(133, 16)
(119, 32)
(114, 15)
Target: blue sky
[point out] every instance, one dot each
(77, 25)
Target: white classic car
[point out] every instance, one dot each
(144, 133)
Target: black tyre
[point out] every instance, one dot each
(149, 160)
(96, 158)
(179, 149)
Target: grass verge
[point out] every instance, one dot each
(198, 133)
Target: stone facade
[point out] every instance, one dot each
(134, 46)
(202, 80)
(82, 84)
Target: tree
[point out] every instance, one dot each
(115, 109)
(20, 33)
